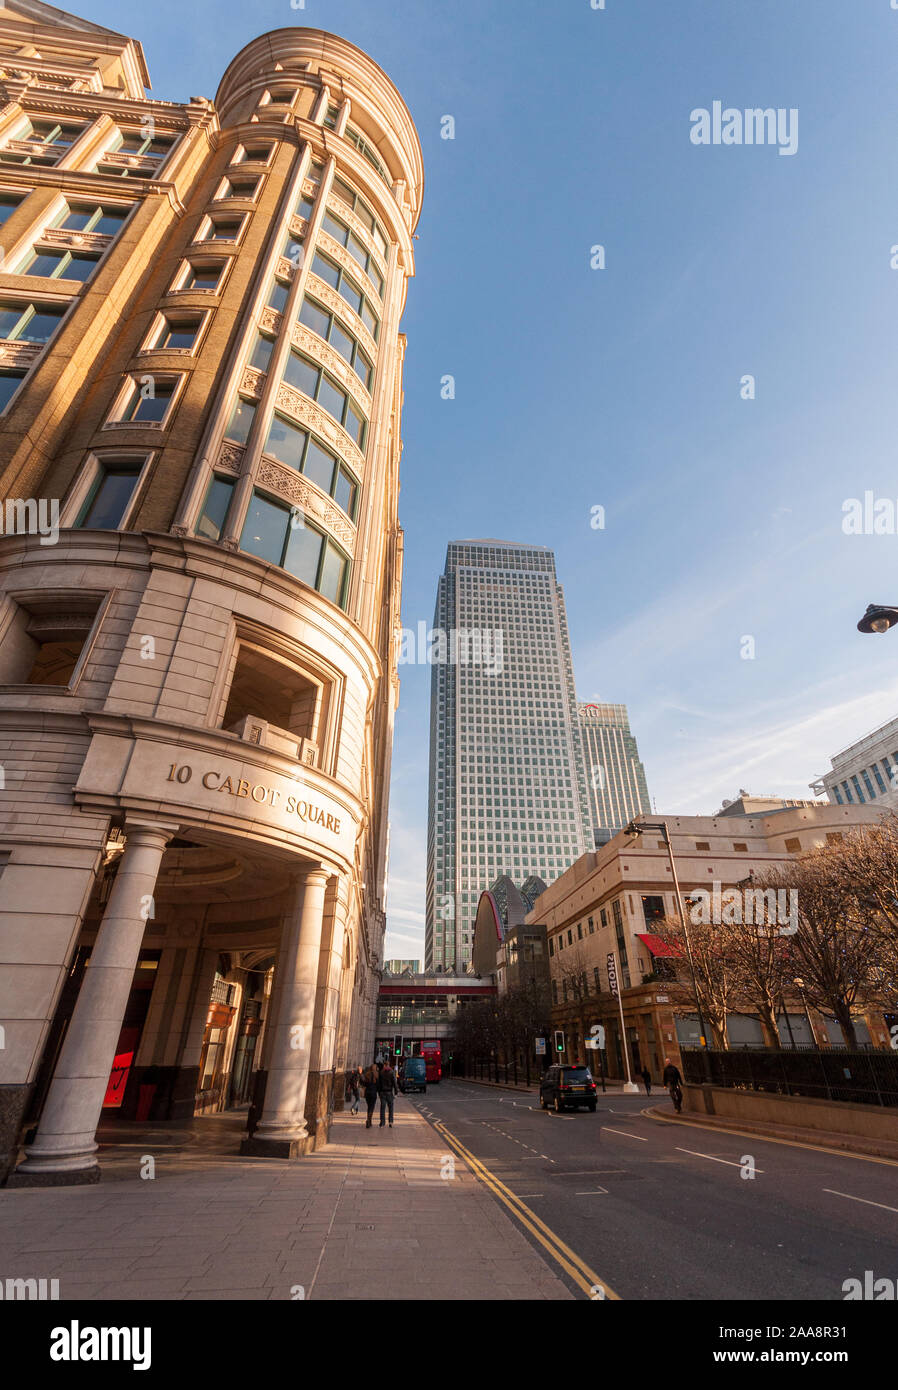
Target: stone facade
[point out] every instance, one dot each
(198, 671)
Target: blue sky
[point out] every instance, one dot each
(620, 387)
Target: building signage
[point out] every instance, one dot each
(215, 781)
(612, 973)
(228, 784)
(540, 1047)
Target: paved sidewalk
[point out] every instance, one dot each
(366, 1217)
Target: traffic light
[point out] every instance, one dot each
(559, 1040)
(397, 1046)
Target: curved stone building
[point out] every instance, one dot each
(200, 567)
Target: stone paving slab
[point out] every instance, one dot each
(368, 1212)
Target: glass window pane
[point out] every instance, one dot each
(332, 399)
(365, 216)
(8, 204)
(43, 263)
(326, 271)
(107, 505)
(215, 507)
(319, 466)
(380, 241)
(357, 250)
(301, 374)
(342, 190)
(40, 325)
(261, 354)
(9, 317)
(376, 278)
(78, 268)
(149, 407)
(335, 228)
(305, 207)
(241, 421)
(264, 530)
(314, 317)
(303, 553)
(352, 296)
(332, 572)
(285, 442)
(202, 277)
(370, 320)
(9, 384)
(344, 492)
(277, 300)
(355, 424)
(363, 368)
(77, 218)
(341, 340)
(109, 222)
(179, 334)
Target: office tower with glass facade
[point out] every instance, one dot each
(508, 792)
(615, 776)
(201, 369)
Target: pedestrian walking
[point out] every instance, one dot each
(370, 1085)
(387, 1088)
(673, 1081)
(646, 1080)
(353, 1086)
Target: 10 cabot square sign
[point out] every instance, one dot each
(211, 779)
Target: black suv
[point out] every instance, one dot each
(564, 1086)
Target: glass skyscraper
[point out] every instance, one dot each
(614, 773)
(508, 791)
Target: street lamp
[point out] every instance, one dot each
(637, 828)
(878, 618)
(799, 984)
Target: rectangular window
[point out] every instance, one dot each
(10, 381)
(218, 498)
(302, 550)
(179, 331)
(59, 265)
(148, 404)
(277, 296)
(91, 217)
(109, 497)
(29, 323)
(8, 204)
(241, 420)
(206, 276)
(221, 227)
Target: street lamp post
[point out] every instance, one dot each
(637, 828)
(799, 983)
(879, 617)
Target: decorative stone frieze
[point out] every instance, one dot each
(302, 493)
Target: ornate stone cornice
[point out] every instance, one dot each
(320, 290)
(349, 263)
(306, 412)
(304, 338)
(302, 493)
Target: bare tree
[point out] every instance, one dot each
(713, 987)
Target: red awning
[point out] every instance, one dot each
(657, 946)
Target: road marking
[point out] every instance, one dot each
(587, 1172)
(625, 1134)
(583, 1276)
(866, 1203)
(768, 1139)
(729, 1161)
(596, 1192)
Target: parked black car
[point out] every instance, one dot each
(564, 1086)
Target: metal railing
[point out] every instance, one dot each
(845, 1074)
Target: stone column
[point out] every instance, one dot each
(281, 1131)
(64, 1148)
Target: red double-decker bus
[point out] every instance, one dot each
(433, 1057)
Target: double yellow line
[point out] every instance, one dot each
(573, 1266)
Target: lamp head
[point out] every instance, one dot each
(879, 617)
